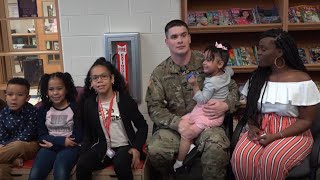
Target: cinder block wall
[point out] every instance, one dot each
(84, 22)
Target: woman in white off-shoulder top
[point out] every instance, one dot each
(280, 109)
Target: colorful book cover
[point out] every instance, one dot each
(297, 14)
(303, 56)
(309, 14)
(267, 16)
(235, 13)
(215, 17)
(232, 58)
(237, 55)
(318, 10)
(242, 16)
(247, 56)
(250, 55)
(255, 16)
(27, 8)
(315, 55)
(221, 18)
(291, 15)
(201, 19)
(227, 17)
(209, 18)
(192, 18)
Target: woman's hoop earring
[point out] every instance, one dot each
(276, 64)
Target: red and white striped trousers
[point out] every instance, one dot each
(274, 161)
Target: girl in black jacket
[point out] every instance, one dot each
(107, 112)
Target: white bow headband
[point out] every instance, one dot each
(220, 46)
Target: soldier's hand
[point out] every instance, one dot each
(215, 109)
(135, 157)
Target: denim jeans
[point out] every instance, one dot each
(61, 162)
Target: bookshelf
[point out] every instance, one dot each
(29, 37)
(305, 34)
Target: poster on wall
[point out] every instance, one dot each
(123, 50)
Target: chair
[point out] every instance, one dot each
(193, 169)
(308, 168)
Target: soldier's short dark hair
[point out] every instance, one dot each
(174, 23)
(20, 81)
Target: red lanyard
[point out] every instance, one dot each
(106, 123)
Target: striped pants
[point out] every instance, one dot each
(274, 161)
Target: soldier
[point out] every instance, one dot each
(169, 97)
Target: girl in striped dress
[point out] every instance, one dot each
(280, 109)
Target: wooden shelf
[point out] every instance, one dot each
(243, 69)
(27, 53)
(3, 87)
(233, 28)
(26, 18)
(303, 26)
(23, 34)
(313, 67)
(250, 68)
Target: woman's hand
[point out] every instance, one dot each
(135, 157)
(46, 144)
(266, 139)
(253, 133)
(215, 109)
(69, 142)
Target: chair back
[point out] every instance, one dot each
(315, 128)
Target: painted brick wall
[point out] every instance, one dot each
(84, 22)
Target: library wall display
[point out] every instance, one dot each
(29, 39)
(241, 23)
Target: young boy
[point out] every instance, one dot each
(18, 127)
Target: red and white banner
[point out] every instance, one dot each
(122, 53)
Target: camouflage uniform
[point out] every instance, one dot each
(169, 97)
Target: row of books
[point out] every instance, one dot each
(257, 15)
(310, 55)
(304, 13)
(244, 56)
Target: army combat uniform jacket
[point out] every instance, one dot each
(169, 95)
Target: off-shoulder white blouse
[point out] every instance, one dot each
(283, 98)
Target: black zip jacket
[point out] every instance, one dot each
(129, 112)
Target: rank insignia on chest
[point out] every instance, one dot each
(184, 70)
